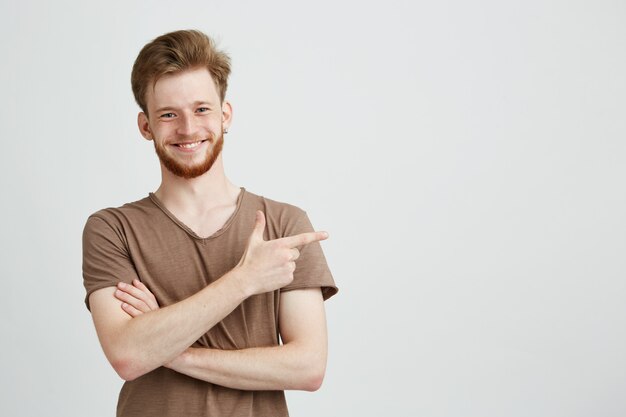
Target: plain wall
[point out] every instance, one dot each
(467, 159)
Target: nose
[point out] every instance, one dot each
(186, 125)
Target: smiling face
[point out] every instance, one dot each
(186, 122)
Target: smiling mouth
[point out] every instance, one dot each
(190, 145)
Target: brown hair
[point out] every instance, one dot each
(175, 52)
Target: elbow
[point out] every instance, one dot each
(313, 382)
(127, 368)
(313, 376)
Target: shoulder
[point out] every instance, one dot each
(274, 207)
(285, 217)
(118, 218)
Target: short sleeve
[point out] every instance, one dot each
(311, 267)
(106, 260)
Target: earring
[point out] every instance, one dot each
(226, 130)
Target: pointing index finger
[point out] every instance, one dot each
(304, 239)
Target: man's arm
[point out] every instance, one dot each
(135, 347)
(298, 364)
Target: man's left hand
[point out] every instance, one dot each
(136, 298)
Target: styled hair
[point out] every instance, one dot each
(174, 52)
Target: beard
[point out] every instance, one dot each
(188, 170)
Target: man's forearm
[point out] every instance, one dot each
(155, 338)
(285, 367)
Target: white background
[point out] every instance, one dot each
(467, 159)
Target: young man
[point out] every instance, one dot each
(191, 287)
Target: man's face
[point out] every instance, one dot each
(186, 122)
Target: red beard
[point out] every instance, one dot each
(186, 170)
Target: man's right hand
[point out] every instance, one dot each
(269, 265)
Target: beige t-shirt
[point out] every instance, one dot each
(144, 240)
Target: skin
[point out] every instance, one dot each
(138, 336)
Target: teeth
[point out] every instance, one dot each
(189, 145)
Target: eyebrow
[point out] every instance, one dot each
(195, 103)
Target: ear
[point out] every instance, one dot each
(227, 114)
(144, 125)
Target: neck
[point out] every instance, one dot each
(197, 195)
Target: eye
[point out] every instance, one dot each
(167, 115)
(203, 110)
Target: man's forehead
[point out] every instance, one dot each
(183, 88)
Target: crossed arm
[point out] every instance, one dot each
(298, 364)
(140, 336)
